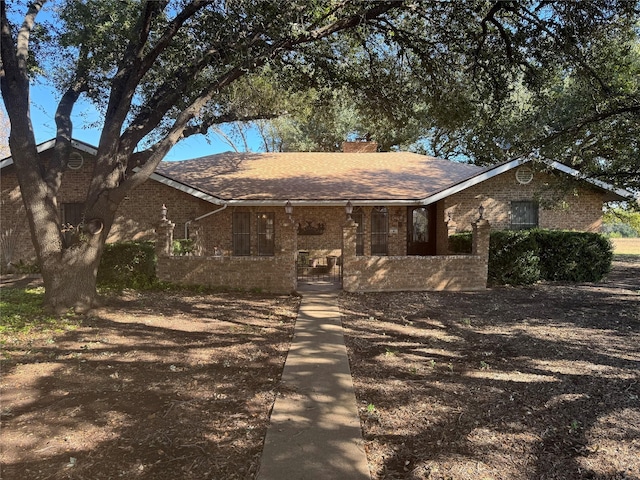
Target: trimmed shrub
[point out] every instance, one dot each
(460, 243)
(573, 256)
(513, 258)
(523, 257)
(127, 265)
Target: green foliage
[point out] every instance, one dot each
(621, 221)
(127, 265)
(182, 246)
(524, 257)
(573, 256)
(460, 243)
(21, 310)
(513, 258)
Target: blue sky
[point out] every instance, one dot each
(87, 126)
(87, 123)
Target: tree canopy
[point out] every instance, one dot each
(580, 107)
(160, 71)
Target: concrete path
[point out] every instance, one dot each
(315, 430)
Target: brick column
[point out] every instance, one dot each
(480, 242)
(287, 251)
(452, 227)
(195, 235)
(164, 235)
(349, 278)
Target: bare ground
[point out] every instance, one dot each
(152, 386)
(511, 383)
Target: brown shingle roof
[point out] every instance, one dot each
(318, 176)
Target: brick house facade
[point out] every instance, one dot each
(234, 204)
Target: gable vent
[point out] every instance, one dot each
(75, 161)
(524, 175)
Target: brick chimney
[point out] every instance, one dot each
(360, 147)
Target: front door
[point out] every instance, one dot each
(421, 234)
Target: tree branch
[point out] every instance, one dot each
(572, 129)
(203, 127)
(528, 16)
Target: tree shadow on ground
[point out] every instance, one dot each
(143, 389)
(535, 383)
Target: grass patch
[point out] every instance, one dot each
(626, 246)
(21, 311)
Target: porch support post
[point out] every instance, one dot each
(480, 243)
(442, 232)
(164, 237)
(480, 246)
(288, 250)
(195, 233)
(349, 276)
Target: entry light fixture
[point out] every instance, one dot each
(348, 208)
(163, 211)
(288, 209)
(480, 211)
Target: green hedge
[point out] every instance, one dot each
(127, 265)
(513, 258)
(524, 257)
(460, 243)
(573, 256)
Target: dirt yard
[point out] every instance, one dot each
(512, 383)
(152, 386)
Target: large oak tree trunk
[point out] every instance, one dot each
(71, 282)
(70, 275)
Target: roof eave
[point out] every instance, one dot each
(187, 189)
(612, 193)
(49, 144)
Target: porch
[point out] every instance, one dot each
(290, 267)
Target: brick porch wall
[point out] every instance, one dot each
(268, 274)
(415, 273)
(274, 274)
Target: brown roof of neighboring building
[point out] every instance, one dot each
(318, 176)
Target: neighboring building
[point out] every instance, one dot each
(404, 205)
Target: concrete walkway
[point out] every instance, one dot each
(315, 430)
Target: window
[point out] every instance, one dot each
(524, 215)
(241, 233)
(72, 214)
(419, 230)
(358, 217)
(266, 233)
(379, 231)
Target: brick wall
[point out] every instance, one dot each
(405, 273)
(269, 274)
(275, 274)
(563, 206)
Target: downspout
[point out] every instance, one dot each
(186, 224)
